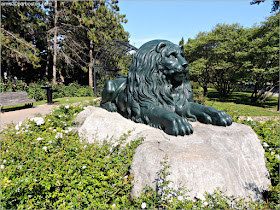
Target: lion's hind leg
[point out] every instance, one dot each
(108, 96)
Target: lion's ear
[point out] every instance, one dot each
(160, 46)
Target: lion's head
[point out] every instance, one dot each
(158, 76)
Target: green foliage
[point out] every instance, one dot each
(16, 86)
(22, 39)
(230, 56)
(217, 57)
(263, 57)
(35, 90)
(198, 97)
(46, 165)
(92, 24)
(27, 37)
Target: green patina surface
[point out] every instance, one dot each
(157, 91)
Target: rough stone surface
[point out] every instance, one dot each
(97, 124)
(230, 158)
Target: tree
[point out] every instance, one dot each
(64, 35)
(275, 5)
(263, 57)
(55, 41)
(84, 26)
(198, 52)
(228, 60)
(182, 41)
(22, 43)
(102, 22)
(218, 57)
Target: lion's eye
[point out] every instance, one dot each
(172, 55)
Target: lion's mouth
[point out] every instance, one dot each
(181, 74)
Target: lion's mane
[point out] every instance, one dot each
(147, 86)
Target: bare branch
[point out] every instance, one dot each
(76, 55)
(20, 40)
(69, 59)
(23, 55)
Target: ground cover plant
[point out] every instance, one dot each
(45, 164)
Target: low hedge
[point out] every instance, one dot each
(35, 90)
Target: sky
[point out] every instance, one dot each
(172, 20)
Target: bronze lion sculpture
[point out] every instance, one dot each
(157, 91)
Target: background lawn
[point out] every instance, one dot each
(239, 104)
(66, 100)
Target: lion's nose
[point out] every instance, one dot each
(185, 65)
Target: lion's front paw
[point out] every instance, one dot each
(215, 117)
(111, 107)
(176, 125)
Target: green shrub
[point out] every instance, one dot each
(198, 97)
(46, 165)
(35, 90)
(16, 86)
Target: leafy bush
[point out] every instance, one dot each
(35, 90)
(46, 165)
(9, 86)
(198, 97)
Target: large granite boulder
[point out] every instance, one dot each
(230, 158)
(97, 124)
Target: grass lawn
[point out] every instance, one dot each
(241, 109)
(239, 104)
(66, 100)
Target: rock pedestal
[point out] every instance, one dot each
(230, 158)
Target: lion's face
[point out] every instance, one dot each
(159, 75)
(173, 63)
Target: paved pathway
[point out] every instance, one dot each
(23, 114)
(17, 116)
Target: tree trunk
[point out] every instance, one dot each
(9, 70)
(61, 76)
(48, 61)
(55, 42)
(205, 91)
(254, 94)
(278, 102)
(90, 76)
